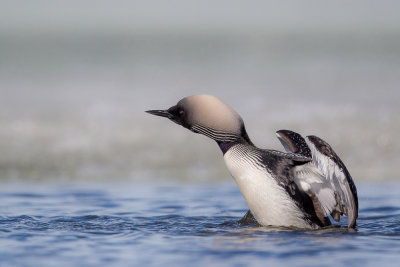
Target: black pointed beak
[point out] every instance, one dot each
(161, 113)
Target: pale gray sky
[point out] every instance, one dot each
(208, 15)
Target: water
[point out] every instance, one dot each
(131, 224)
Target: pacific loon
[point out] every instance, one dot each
(297, 188)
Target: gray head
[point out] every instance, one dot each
(208, 115)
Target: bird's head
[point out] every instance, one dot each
(207, 115)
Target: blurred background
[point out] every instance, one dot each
(77, 76)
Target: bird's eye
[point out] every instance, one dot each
(181, 112)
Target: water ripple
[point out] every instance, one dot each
(109, 226)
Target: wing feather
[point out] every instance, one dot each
(325, 179)
(337, 177)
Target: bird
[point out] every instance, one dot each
(299, 188)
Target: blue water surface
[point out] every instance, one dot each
(133, 224)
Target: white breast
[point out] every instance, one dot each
(269, 203)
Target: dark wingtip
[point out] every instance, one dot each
(283, 131)
(293, 142)
(323, 147)
(291, 136)
(315, 139)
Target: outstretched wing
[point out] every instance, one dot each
(325, 179)
(339, 178)
(294, 143)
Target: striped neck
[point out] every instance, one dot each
(217, 135)
(224, 139)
